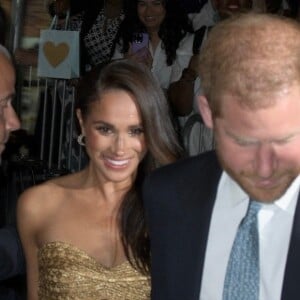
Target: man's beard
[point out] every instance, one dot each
(249, 180)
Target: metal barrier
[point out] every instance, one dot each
(47, 112)
(197, 138)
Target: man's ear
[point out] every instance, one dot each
(80, 120)
(205, 111)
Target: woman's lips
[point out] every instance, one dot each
(118, 163)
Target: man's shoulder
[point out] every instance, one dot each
(208, 158)
(182, 183)
(199, 165)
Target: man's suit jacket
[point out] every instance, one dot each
(12, 262)
(179, 200)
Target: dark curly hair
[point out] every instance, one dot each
(173, 29)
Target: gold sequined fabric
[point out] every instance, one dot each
(66, 272)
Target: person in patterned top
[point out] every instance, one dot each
(98, 24)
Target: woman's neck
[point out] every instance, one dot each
(154, 39)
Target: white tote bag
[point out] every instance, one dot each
(58, 55)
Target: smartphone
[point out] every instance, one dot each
(139, 41)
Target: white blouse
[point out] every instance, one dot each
(162, 72)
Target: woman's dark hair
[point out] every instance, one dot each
(91, 12)
(172, 30)
(160, 137)
(75, 7)
(3, 26)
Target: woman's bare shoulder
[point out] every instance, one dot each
(45, 197)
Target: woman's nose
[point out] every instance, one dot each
(119, 144)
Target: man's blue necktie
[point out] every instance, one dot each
(242, 274)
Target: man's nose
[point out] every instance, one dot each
(11, 119)
(265, 160)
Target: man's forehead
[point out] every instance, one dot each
(7, 81)
(5, 57)
(7, 71)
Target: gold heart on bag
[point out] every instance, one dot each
(55, 54)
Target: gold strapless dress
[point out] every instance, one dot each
(66, 272)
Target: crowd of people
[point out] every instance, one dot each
(141, 219)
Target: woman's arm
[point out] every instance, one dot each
(29, 220)
(181, 92)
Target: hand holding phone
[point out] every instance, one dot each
(139, 41)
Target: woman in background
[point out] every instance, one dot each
(84, 234)
(170, 39)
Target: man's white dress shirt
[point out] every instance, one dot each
(274, 225)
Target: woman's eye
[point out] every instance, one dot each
(141, 3)
(104, 130)
(136, 131)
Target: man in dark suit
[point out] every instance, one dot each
(196, 208)
(11, 256)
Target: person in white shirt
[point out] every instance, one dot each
(250, 73)
(207, 16)
(170, 38)
(183, 93)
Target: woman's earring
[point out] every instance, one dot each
(81, 140)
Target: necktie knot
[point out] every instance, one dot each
(252, 211)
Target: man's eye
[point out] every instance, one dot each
(4, 103)
(244, 143)
(284, 141)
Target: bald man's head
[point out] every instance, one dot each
(8, 118)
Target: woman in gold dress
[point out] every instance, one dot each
(84, 234)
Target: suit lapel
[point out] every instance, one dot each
(194, 230)
(291, 286)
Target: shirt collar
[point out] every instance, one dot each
(212, 13)
(235, 195)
